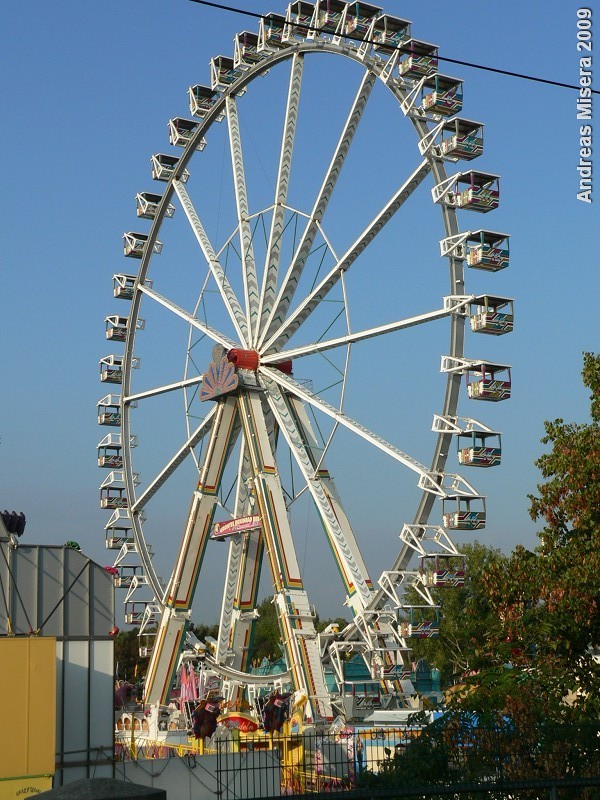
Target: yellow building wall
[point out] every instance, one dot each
(27, 715)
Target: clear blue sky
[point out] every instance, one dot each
(87, 92)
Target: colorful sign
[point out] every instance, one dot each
(221, 530)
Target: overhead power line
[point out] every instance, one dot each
(309, 28)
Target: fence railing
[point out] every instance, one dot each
(450, 760)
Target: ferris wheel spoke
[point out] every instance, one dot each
(290, 282)
(241, 197)
(281, 190)
(454, 305)
(230, 300)
(293, 422)
(158, 390)
(211, 332)
(305, 309)
(426, 478)
(178, 459)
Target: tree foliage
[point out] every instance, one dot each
(547, 602)
(466, 618)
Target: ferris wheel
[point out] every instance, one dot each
(242, 372)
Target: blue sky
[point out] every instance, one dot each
(87, 93)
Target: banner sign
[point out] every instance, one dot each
(239, 525)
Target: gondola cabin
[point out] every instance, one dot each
(202, 99)
(270, 33)
(109, 410)
(124, 286)
(127, 574)
(330, 16)
(245, 50)
(461, 513)
(462, 139)
(298, 21)
(479, 448)
(134, 244)
(110, 452)
(478, 191)
(118, 530)
(441, 571)
(113, 493)
(164, 167)
(116, 328)
(493, 315)
(389, 33)
(418, 59)
(488, 382)
(135, 612)
(423, 623)
(111, 369)
(223, 73)
(359, 18)
(442, 95)
(147, 203)
(181, 131)
(488, 250)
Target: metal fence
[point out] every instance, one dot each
(461, 761)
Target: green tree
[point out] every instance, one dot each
(548, 602)
(266, 636)
(466, 618)
(129, 665)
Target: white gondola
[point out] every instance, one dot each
(299, 21)
(418, 60)
(181, 131)
(462, 138)
(118, 530)
(270, 34)
(223, 73)
(491, 314)
(124, 286)
(488, 250)
(109, 410)
(113, 492)
(478, 191)
(423, 622)
(164, 167)
(134, 244)
(147, 203)
(201, 100)
(443, 570)
(463, 513)
(441, 94)
(128, 573)
(389, 33)
(331, 15)
(479, 448)
(360, 16)
(111, 368)
(136, 612)
(245, 50)
(110, 452)
(116, 327)
(490, 382)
